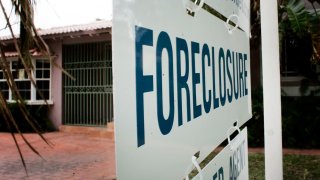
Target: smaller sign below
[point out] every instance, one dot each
(231, 162)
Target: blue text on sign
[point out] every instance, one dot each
(231, 80)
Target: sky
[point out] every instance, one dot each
(55, 13)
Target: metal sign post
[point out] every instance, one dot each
(271, 89)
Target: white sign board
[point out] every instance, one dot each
(231, 162)
(179, 81)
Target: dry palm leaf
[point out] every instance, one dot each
(28, 37)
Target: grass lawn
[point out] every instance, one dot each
(294, 167)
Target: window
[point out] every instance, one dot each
(296, 57)
(42, 76)
(43, 79)
(21, 78)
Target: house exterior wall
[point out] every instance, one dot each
(55, 113)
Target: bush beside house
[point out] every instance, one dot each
(300, 121)
(39, 113)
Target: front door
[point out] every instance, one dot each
(88, 99)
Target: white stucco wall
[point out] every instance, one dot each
(55, 113)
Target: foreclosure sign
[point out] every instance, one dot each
(180, 82)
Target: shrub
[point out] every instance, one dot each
(300, 121)
(255, 124)
(39, 114)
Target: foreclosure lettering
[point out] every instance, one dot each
(227, 69)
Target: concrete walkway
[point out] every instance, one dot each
(72, 156)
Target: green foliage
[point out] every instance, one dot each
(39, 113)
(255, 125)
(294, 167)
(297, 17)
(300, 121)
(296, 22)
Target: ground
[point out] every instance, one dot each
(72, 156)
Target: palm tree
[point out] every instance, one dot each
(28, 37)
(298, 22)
(299, 30)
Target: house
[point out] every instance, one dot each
(85, 52)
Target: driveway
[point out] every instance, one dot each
(71, 156)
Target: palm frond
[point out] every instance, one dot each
(298, 17)
(297, 21)
(315, 35)
(316, 48)
(25, 59)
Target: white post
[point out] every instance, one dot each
(271, 90)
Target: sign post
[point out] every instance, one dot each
(180, 82)
(271, 90)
